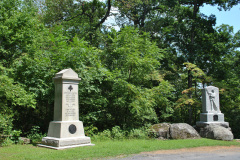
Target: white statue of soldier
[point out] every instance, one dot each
(211, 113)
(210, 100)
(212, 95)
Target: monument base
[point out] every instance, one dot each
(200, 124)
(63, 143)
(65, 129)
(212, 117)
(214, 130)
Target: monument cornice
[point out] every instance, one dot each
(67, 78)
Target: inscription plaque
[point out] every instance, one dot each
(71, 101)
(215, 118)
(70, 98)
(72, 129)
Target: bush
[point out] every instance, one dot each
(7, 135)
(6, 142)
(102, 136)
(141, 133)
(90, 130)
(117, 134)
(35, 135)
(5, 125)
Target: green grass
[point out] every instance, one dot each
(105, 149)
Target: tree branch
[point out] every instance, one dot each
(105, 17)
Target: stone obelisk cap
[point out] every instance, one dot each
(67, 74)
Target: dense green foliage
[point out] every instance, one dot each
(149, 71)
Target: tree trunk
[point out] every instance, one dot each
(190, 96)
(191, 57)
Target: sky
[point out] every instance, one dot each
(231, 17)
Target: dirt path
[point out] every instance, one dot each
(199, 153)
(210, 149)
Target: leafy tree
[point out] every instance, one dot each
(17, 30)
(191, 50)
(137, 13)
(136, 87)
(179, 27)
(81, 18)
(199, 79)
(226, 76)
(53, 53)
(13, 94)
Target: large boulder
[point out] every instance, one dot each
(160, 130)
(183, 131)
(25, 140)
(216, 132)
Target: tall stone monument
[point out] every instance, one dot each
(66, 131)
(212, 124)
(210, 106)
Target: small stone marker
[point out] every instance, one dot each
(66, 131)
(211, 113)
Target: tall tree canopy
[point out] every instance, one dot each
(147, 72)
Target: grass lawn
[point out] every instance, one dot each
(105, 149)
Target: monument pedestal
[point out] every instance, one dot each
(200, 124)
(212, 117)
(66, 131)
(63, 143)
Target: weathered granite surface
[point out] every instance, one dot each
(183, 131)
(174, 131)
(63, 142)
(161, 130)
(204, 124)
(216, 132)
(25, 140)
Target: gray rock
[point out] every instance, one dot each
(183, 131)
(25, 140)
(216, 132)
(204, 124)
(161, 130)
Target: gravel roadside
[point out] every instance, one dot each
(199, 153)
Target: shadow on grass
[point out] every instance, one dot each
(35, 143)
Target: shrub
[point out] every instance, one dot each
(7, 135)
(116, 133)
(35, 135)
(138, 134)
(90, 130)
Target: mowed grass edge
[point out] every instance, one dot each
(103, 149)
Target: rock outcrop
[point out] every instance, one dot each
(25, 140)
(219, 131)
(183, 131)
(174, 131)
(216, 132)
(161, 130)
